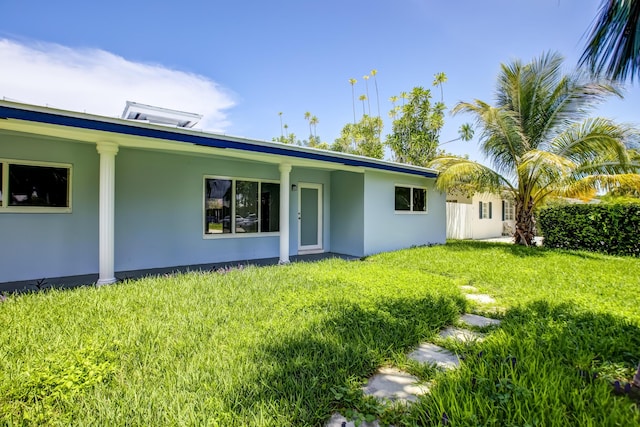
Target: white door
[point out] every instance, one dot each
(309, 218)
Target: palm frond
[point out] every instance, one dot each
(594, 138)
(456, 172)
(604, 182)
(613, 46)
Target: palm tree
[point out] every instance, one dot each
(438, 80)
(375, 81)
(353, 98)
(314, 122)
(614, 43)
(307, 116)
(366, 85)
(363, 98)
(281, 132)
(541, 142)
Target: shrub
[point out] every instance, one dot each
(613, 229)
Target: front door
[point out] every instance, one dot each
(309, 218)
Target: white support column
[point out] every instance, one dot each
(107, 151)
(285, 190)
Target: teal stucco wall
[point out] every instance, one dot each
(387, 230)
(36, 246)
(347, 213)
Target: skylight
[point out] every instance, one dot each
(159, 116)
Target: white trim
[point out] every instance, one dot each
(106, 212)
(319, 246)
(4, 204)
(285, 194)
(411, 211)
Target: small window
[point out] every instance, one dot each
(508, 211)
(33, 187)
(234, 206)
(410, 199)
(486, 210)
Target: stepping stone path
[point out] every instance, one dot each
(480, 298)
(459, 334)
(395, 385)
(435, 355)
(479, 321)
(391, 384)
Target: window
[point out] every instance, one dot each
(410, 199)
(34, 186)
(508, 210)
(485, 210)
(234, 206)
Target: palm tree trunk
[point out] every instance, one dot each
(525, 223)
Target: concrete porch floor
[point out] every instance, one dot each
(68, 282)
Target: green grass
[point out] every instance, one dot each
(289, 345)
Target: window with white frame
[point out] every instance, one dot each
(410, 199)
(34, 186)
(508, 210)
(240, 206)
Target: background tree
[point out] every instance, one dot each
(613, 47)
(361, 138)
(541, 142)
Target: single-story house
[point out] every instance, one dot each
(91, 195)
(480, 216)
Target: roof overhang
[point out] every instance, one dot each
(93, 129)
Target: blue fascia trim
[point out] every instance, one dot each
(206, 141)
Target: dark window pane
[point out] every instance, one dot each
(270, 207)
(217, 206)
(419, 200)
(403, 198)
(246, 207)
(38, 186)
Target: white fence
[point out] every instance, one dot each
(459, 221)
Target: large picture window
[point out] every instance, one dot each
(34, 186)
(236, 206)
(410, 199)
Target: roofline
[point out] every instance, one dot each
(51, 116)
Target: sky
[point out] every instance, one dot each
(240, 63)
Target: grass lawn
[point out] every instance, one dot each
(288, 345)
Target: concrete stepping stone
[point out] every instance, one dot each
(479, 321)
(480, 298)
(461, 335)
(469, 288)
(395, 385)
(337, 420)
(435, 355)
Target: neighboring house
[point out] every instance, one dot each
(482, 216)
(92, 195)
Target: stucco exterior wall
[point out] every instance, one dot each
(347, 213)
(386, 229)
(43, 245)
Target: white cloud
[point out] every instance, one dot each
(99, 82)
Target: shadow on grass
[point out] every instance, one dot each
(547, 364)
(516, 250)
(302, 372)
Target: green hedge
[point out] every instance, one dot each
(609, 228)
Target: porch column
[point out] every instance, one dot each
(107, 151)
(285, 169)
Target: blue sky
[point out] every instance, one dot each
(241, 62)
